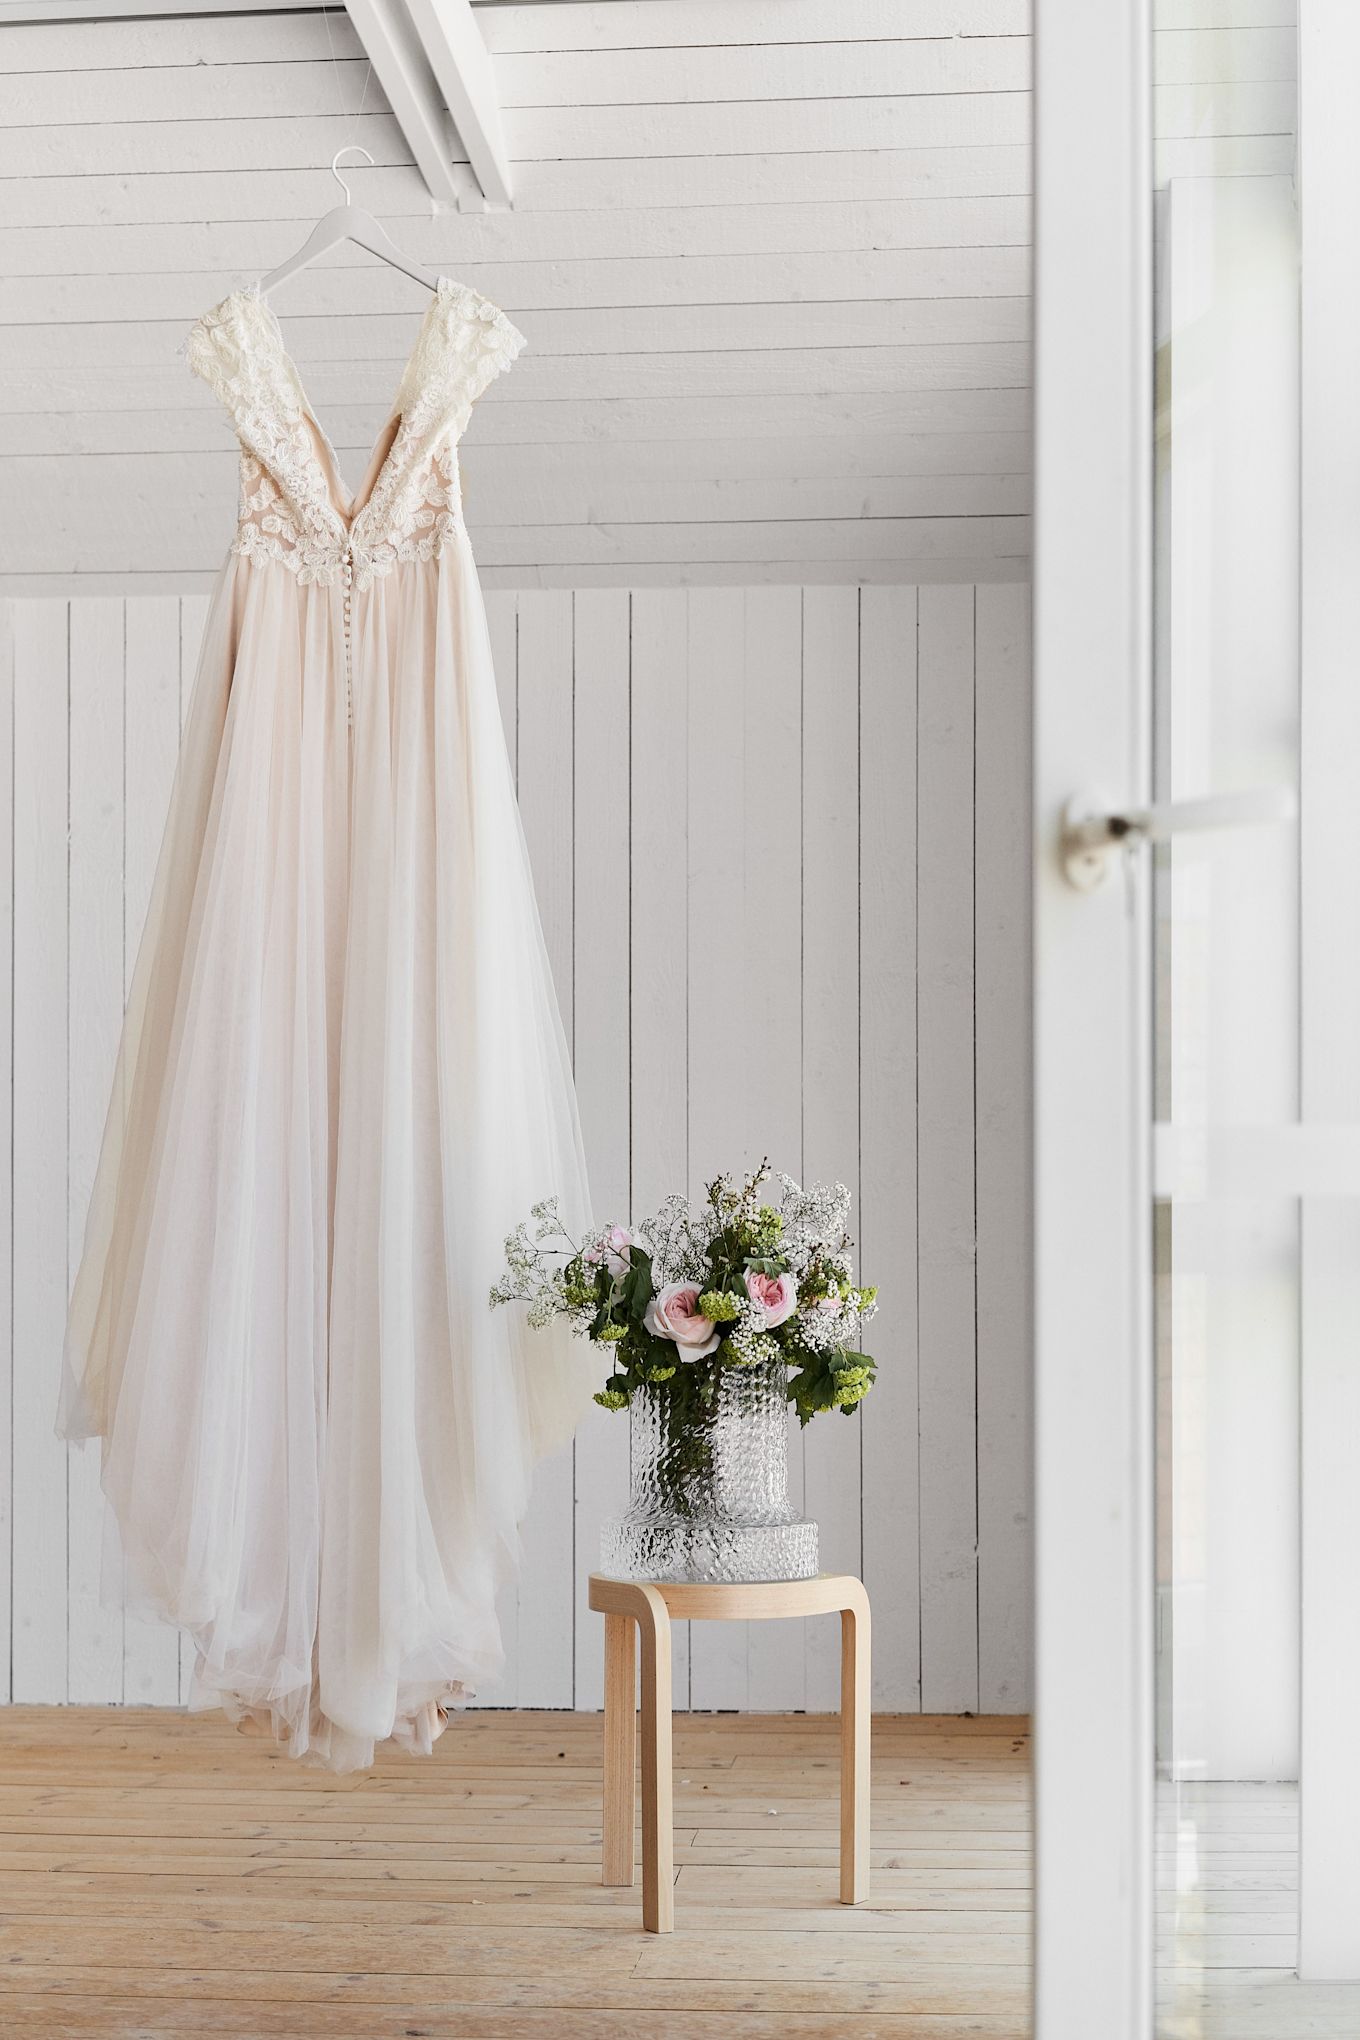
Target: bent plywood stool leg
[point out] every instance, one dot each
(620, 1754)
(623, 1603)
(651, 1606)
(855, 1732)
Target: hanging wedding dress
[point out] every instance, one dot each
(342, 1080)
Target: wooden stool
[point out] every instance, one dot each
(651, 1604)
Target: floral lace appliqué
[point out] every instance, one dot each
(267, 531)
(287, 515)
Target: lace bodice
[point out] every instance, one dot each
(288, 512)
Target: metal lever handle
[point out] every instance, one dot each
(1092, 831)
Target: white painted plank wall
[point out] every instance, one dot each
(779, 921)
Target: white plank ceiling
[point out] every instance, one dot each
(771, 258)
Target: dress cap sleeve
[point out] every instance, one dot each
(469, 342)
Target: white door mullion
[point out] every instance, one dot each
(1093, 1747)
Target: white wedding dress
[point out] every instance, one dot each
(342, 1079)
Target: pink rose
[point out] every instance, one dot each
(777, 1296)
(674, 1313)
(613, 1250)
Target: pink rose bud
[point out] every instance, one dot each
(776, 1295)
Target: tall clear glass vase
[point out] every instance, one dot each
(709, 1484)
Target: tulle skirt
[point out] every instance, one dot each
(342, 1079)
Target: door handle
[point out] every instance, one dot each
(1092, 831)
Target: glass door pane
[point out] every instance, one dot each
(1225, 1232)
(1247, 1186)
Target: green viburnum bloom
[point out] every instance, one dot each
(846, 1375)
(848, 1394)
(611, 1399)
(609, 1335)
(719, 1306)
(657, 1373)
(768, 1225)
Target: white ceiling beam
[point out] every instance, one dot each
(461, 63)
(428, 56)
(413, 93)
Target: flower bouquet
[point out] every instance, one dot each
(713, 1318)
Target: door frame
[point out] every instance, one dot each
(1093, 1354)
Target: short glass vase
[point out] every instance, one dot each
(709, 1482)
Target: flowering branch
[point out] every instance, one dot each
(735, 1282)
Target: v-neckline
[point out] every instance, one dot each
(379, 455)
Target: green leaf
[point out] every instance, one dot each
(637, 1284)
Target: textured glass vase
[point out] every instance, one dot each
(709, 1487)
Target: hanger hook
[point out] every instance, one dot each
(350, 149)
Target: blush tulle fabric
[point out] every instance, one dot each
(342, 1079)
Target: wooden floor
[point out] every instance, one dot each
(163, 1875)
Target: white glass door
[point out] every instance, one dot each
(1198, 1021)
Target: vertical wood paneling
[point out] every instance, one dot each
(946, 1297)
(541, 1662)
(39, 1639)
(888, 1165)
(769, 999)
(95, 1006)
(720, 1128)
(152, 725)
(720, 791)
(659, 918)
(603, 938)
(830, 1078)
(1004, 1252)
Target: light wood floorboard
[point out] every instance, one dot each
(162, 1875)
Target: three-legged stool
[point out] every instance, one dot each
(650, 1605)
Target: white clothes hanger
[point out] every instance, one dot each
(348, 222)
